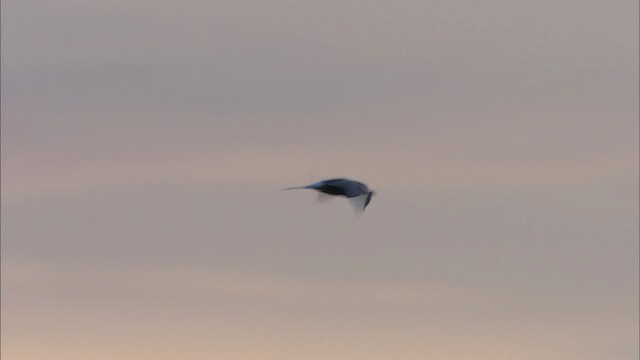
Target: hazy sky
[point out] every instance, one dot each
(143, 143)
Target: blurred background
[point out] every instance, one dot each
(144, 143)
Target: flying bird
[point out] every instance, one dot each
(358, 193)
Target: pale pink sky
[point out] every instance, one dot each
(143, 144)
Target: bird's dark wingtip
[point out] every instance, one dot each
(369, 196)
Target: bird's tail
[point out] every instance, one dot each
(294, 188)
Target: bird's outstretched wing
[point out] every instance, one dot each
(323, 198)
(359, 203)
(368, 200)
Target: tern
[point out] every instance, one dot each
(358, 193)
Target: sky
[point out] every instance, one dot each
(144, 143)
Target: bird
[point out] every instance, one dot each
(358, 193)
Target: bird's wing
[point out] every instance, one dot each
(322, 198)
(359, 203)
(368, 200)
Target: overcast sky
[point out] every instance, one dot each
(143, 143)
